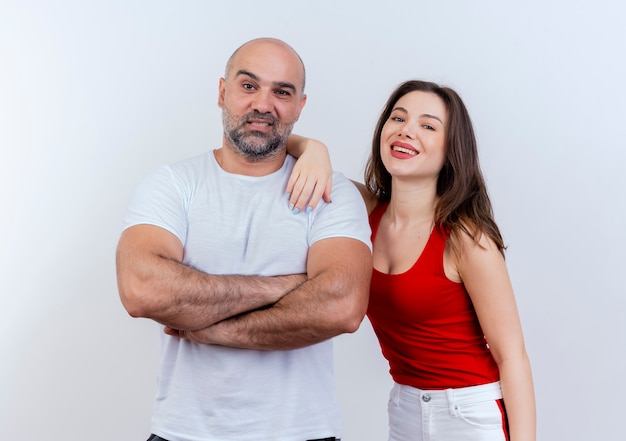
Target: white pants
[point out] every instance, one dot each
(473, 413)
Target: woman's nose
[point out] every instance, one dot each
(407, 130)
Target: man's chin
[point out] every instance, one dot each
(258, 152)
(257, 134)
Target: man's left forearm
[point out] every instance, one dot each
(333, 302)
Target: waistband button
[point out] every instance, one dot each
(425, 398)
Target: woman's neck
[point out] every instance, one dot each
(411, 203)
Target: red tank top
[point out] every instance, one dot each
(426, 324)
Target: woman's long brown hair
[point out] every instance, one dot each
(464, 205)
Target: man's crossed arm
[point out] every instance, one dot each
(257, 312)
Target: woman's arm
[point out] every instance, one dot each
(482, 269)
(311, 178)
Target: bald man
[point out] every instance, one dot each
(248, 292)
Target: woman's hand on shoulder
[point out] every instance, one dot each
(311, 177)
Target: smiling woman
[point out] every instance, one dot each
(415, 127)
(441, 302)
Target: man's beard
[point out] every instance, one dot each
(255, 145)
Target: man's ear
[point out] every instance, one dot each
(302, 103)
(220, 94)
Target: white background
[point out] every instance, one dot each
(93, 95)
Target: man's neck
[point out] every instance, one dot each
(234, 163)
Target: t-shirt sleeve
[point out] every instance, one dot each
(345, 216)
(159, 200)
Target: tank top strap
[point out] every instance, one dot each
(375, 217)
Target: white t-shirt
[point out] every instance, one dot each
(235, 224)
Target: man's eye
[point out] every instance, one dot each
(283, 92)
(248, 86)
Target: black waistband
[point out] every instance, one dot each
(332, 438)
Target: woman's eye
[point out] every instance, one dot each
(428, 127)
(397, 119)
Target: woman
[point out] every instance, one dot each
(441, 301)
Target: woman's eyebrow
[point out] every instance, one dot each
(428, 115)
(423, 115)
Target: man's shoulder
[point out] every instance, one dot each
(341, 184)
(345, 197)
(195, 161)
(339, 176)
(190, 168)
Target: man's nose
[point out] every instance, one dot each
(262, 102)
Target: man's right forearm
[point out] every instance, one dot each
(181, 297)
(160, 287)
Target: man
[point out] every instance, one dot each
(249, 292)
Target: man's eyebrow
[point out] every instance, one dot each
(424, 115)
(281, 84)
(285, 85)
(247, 73)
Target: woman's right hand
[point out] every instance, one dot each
(311, 177)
